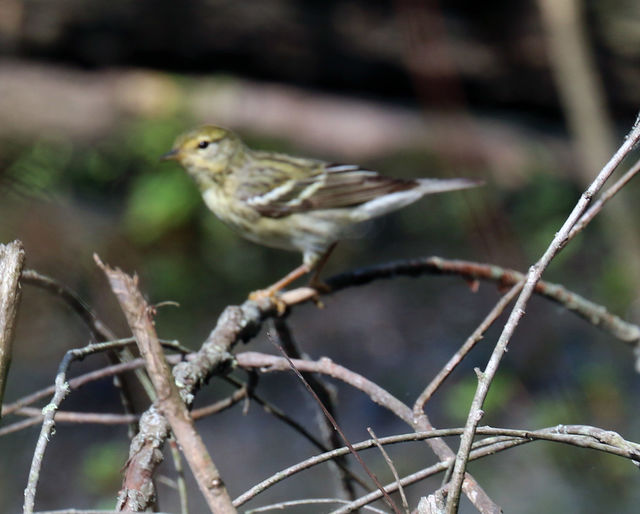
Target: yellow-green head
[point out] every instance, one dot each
(207, 148)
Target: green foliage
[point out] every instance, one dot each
(39, 169)
(539, 210)
(614, 286)
(157, 203)
(148, 139)
(459, 396)
(171, 274)
(100, 469)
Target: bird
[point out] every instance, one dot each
(292, 203)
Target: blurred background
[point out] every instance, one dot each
(532, 96)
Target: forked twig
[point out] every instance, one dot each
(392, 467)
(533, 276)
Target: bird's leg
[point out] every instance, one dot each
(315, 281)
(303, 269)
(271, 291)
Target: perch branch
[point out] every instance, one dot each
(586, 309)
(241, 323)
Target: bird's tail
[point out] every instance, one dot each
(394, 201)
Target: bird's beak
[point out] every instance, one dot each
(171, 155)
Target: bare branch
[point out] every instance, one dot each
(282, 416)
(535, 272)
(19, 425)
(76, 383)
(169, 402)
(586, 309)
(338, 429)
(266, 363)
(380, 396)
(418, 407)
(97, 328)
(81, 417)
(11, 262)
(326, 397)
(392, 467)
(501, 439)
(49, 412)
(181, 484)
(99, 331)
(604, 198)
(307, 501)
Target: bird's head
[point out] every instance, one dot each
(208, 148)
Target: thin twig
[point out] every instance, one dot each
(181, 484)
(425, 396)
(520, 437)
(100, 333)
(380, 396)
(392, 467)
(79, 381)
(81, 417)
(98, 329)
(49, 412)
(19, 425)
(326, 397)
(337, 428)
(268, 363)
(279, 414)
(306, 501)
(576, 435)
(607, 195)
(533, 276)
(237, 396)
(84, 511)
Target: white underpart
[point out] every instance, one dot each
(212, 197)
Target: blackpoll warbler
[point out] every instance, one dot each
(292, 203)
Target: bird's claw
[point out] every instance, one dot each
(272, 296)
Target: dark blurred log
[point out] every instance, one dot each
(40, 100)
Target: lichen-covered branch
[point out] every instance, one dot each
(169, 402)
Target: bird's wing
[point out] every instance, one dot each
(328, 186)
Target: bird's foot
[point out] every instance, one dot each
(320, 287)
(272, 295)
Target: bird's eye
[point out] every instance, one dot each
(203, 144)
